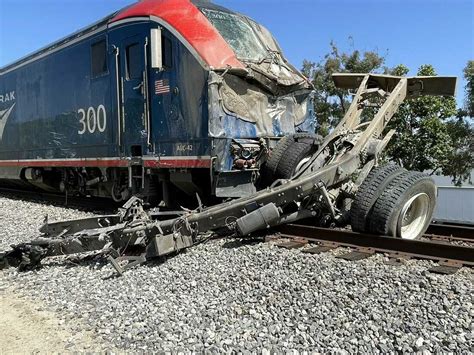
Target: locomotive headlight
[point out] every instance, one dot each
(246, 153)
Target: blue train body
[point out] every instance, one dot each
(156, 99)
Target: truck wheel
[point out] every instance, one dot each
(295, 155)
(271, 169)
(405, 208)
(271, 165)
(369, 191)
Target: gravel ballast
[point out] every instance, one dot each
(224, 295)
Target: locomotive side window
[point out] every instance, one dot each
(99, 58)
(134, 61)
(167, 50)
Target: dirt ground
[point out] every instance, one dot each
(26, 328)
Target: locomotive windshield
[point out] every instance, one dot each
(238, 33)
(254, 44)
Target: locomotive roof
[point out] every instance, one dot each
(183, 16)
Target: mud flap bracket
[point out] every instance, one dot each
(132, 261)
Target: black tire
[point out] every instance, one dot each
(271, 165)
(290, 160)
(388, 211)
(369, 191)
(270, 169)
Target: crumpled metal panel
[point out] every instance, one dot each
(244, 111)
(268, 122)
(252, 104)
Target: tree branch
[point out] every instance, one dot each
(341, 99)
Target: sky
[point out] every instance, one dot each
(412, 32)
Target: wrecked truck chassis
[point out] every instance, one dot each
(339, 165)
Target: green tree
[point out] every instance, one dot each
(461, 158)
(330, 102)
(461, 132)
(469, 96)
(432, 135)
(421, 140)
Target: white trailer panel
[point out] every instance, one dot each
(455, 205)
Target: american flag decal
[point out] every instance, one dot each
(162, 87)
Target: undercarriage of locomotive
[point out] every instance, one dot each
(336, 181)
(72, 181)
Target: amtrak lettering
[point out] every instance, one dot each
(9, 96)
(5, 112)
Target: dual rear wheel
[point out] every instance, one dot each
(395, 202)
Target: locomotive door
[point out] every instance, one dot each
(134, 123)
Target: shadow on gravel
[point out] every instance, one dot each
(237, 243)
(91, 263)
(95, 205)
(95, 261)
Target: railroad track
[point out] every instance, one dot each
(450, 232)
(450, 257)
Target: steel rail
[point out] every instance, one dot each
(447, 232)
(457, 232)
(412, 248)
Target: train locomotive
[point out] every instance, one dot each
(162, 99)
